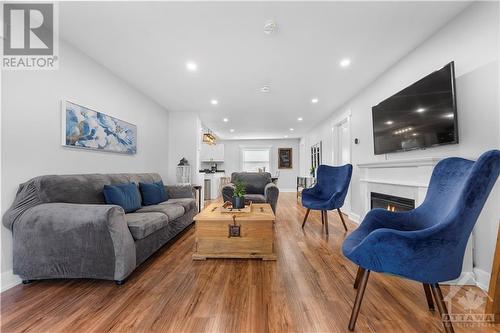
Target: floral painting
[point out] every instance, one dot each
(89, 129)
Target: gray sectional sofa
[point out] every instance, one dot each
(62, 227)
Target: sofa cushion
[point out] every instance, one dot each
(187, 203)
(152, 193)
(255, 198)
(142, 225)
(126, 196)
(173, 211)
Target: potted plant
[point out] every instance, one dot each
(311, 171)
(238, 199)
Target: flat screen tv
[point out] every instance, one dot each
(420, 116)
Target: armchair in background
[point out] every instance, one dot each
(329, 192)
(258, 185)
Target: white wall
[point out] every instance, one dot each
(472, 41)
(287, 178)
(184, 135)
(31, 128)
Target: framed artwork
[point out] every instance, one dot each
(85, 128)
(284, 158)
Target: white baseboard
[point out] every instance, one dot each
(482, 278)
(353, 217)
(8, 280)
(465, 279)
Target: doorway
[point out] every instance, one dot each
(342, 149)
(342, 142)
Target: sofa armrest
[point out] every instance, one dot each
(227, 192)
(180, 191)
(61, 240)
(271, 192)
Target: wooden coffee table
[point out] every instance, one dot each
(217, 233)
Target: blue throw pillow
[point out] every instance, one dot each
(153, 194)
(125, 195)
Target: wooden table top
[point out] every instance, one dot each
(260, 212)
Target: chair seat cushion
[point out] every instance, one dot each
(173, 211)
(255, 198)
(313, 202)
(187, 203)
(142, 225)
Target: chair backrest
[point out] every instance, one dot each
(457, 192)
(333, 179)
(255, 182)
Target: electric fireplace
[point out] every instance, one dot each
(391, 202)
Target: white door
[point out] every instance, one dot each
(342, 151)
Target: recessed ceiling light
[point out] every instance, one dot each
(265, 89)
(291, 130)
(214, 102)
(270, 27)
(389, 122)
(415, 134)
(420, 110)
(300, 119)
(225, 120)
(314, 100)
(191, 66)
(449, 115)
(231, 130)
(345, 62)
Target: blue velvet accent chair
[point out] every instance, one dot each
(329, 192)
(426, 244)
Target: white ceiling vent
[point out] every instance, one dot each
(265, 89)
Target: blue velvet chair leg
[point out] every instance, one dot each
(324, 219)
(305, 217)
(342, 218)
(359, 298)
(360, 272)
(325, 212)
(428, 296)
(431, 290)
(443, 311)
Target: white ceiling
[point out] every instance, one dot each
(148, 44)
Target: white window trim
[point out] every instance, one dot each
(257, 147)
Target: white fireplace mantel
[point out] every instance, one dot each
(414, 162)
(407, 178)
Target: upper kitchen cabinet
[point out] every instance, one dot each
(212, 153)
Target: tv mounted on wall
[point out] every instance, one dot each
(420, 116)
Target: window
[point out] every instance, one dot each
(255, 159)
(316, 156)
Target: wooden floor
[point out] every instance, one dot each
(308, 289)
